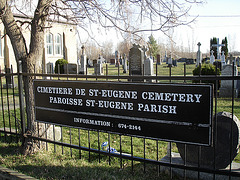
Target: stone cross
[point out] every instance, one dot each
(199, 55)
(218, 45)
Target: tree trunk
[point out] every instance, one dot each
(28, 60)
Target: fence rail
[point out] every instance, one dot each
(79, 141)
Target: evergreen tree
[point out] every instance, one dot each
(225, 48)
(213, 41)
(153, 46)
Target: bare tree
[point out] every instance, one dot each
(149, 15)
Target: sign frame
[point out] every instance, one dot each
(155, 111)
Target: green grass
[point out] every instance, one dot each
(76, 164)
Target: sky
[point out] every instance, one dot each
(216, 18)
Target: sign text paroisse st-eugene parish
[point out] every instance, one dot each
(175, 112)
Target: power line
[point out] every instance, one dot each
(215, 16)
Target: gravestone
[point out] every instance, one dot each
(136, 57)
(158, 59)
(124, 63)
(169, 62)
(112, 61)
(50, 68)
(174, 62)
(199, 55)
(94, 62)
(116, 59)
(98, 68)
(223, 59)
(226, 85)
(230, 59)
(148, 67)
(9, 79)
(226, 125)
(237, 62)
(165, 57)
(212, 57)
(83, 62)
(70, 68)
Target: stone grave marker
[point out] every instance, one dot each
(226, 85)
(212, 57)
(83, 62)
(169, 62)
(9, 79)
(199, 55)
(124, 63)
(70, 68)
(223, 59)
(158, 59)
(148, 67)
(50, 68)
(225, 123)
(237, 62)
(136, 57)
(112, 61)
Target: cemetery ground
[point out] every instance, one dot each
(57, 162)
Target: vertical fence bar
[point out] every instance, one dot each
(7, 90)
(184, 68)
(132, 152)
(144, 154)
(14, 105)
(21, 99)
(109, 145)
(70, 137)
(120, 139)
(231, 135)
(99, 155)
(158, 167)
(156, 72)
(170, 73)
(89, 147)
(3, 112)
(79, 143)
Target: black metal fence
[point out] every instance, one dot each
(120, 148)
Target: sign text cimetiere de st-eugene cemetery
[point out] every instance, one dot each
(175, 112)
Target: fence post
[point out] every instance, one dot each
(21, 99)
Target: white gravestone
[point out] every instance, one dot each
(212, 58)
(223, 59)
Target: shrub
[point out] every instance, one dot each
(207, 69)
(59, 63)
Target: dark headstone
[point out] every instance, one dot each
(158, 59)
(112, 61)
(223, 144)
(50, 68)
(136, 57)
(9, 79)
(70, 68)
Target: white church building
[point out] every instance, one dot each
(60, 43)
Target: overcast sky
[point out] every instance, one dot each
(216, 18)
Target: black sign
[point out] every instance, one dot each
(174, 112)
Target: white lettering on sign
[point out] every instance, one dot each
(64, 100)
(54, 90)
(115, 105)
(175, 97)
(153, 108)
(91, 121)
